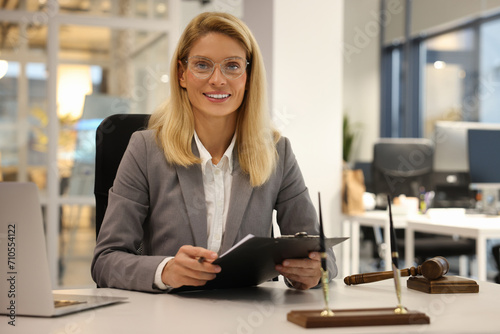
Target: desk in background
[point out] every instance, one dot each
(263, 310)
(351, 227)
(478, 227)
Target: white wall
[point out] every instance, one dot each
(307, 94)
(361, 79)
(306, 97)
(431, 15)
(190, 9)
(308, 101)
(259, 16)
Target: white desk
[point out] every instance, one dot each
(264, 310)
(350, 228)
(477, 227)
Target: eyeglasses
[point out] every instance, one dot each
(203, 67)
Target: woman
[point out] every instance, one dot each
(209, 170)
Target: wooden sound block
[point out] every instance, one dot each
(357, 317)
(445, 284)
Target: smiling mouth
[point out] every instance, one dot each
(218, 96)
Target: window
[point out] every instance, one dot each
(452, 75)
(449, 68)
(489, 73)
(60, 79)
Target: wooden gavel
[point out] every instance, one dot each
(431, 269)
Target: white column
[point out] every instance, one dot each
(307, 95)
(52, 214)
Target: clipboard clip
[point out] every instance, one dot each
(299, 235)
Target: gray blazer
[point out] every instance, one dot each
(155, 208)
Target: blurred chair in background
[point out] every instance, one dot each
(404, 166)
(112, 138)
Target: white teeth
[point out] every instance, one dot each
(217, 96)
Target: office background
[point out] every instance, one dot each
(323, 59)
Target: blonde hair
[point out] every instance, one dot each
(174, 121)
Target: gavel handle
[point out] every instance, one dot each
(377, 276)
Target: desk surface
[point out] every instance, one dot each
(378, 218)
(469, 225)
(263, 310)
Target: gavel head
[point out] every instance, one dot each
(435, 268)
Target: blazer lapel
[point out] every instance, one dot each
(241, 190)
(191, 183)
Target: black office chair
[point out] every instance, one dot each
(496, 256)
(112, 137)
(403, 166)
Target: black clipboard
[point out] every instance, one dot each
(252, 261)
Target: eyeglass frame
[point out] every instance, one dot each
(186, 60)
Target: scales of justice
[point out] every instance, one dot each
(327, 317)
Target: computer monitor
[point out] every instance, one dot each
(484, 166)
(450, 140)
(402, 166)
(451, 163)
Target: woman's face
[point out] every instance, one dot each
(215, 96)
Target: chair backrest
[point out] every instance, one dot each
(402, 166)
(112, 137)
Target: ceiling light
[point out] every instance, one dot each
(4, 65)
(439, 65)
(73, 83)
(164, 78)
(161, 8)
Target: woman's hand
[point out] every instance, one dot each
(303, 274)
(190, 266)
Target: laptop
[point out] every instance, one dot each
(25, 284)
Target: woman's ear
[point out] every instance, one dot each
(181, 73)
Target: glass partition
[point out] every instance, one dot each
(54, 95)
(23, 135)
(114, 8)
(104, 72)
(8, 120)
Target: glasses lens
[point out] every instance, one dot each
(202, 67)
(233, 68)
